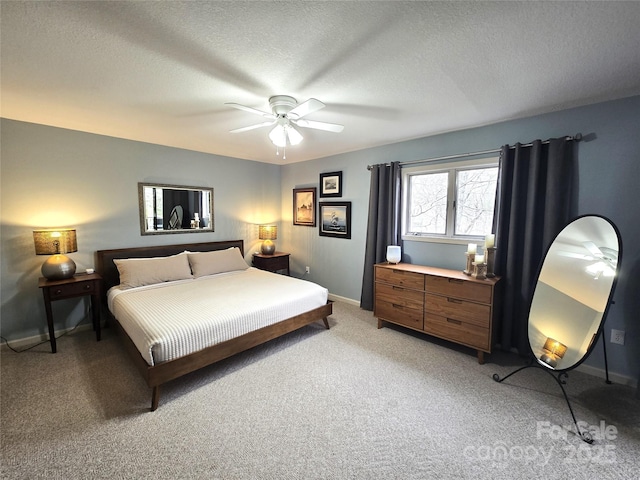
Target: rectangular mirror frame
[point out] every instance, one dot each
(144, 230)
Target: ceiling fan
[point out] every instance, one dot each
(286, 114)
(605, 259)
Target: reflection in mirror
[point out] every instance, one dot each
(175, 209)
(571, 299)
(572, 292)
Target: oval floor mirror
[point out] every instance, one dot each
(571, 298)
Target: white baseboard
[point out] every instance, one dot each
(337, 298)
(614, 377)
(26, 342)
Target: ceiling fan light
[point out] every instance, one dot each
(600, 268)
(294, 136)
(278, 136)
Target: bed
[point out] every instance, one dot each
(252, 306)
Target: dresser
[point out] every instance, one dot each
(443, 303)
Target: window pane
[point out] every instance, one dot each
(428, 203)
(476, 193)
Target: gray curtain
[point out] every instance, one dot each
(533, 204)
(383, 227)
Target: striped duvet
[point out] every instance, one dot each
(173, 319)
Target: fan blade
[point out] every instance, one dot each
(329, 127)
(305, 108)
(251, 110)
(575, 255)
(252, 127)
(593, 249)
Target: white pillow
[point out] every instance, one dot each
(136, 272)
(219, 261)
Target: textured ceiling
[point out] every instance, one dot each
(160, 72)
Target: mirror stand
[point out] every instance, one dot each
(561, 380)
(606, 364)
(571, 298)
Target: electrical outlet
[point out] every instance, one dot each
(307, 270)
(617, 336)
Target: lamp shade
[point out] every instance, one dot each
(56, 243)
(51, 242)
(268, 232)
(283, 132)
(555, 347)
(293, 135)
(278, 136)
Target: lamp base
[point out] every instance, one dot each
(550, 360)
(58, 267)
(268, 247)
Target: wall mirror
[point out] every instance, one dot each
(572, 295)
(166, 209)
(573, 292)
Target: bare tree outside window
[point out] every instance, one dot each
(451, 200)
(429, 203)
(476, 195)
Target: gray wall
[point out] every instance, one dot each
(609, 172)
(58, 177)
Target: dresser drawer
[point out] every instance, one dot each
(449, 307)
(397, 313)
(457, 331)
(400, 295)
(72, 290)
(454, 287)
(400, 278)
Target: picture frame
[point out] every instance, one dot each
(304, 206)
(331, 184)
(335, 219)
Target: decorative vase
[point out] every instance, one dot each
(394, 254)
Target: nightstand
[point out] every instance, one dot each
(277, 262)
(77, 286)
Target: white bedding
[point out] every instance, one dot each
(173, 319)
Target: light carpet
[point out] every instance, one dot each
(352, 402)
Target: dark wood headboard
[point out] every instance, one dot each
(109, 271)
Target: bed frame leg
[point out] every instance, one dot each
(326, 322)
(155, 398)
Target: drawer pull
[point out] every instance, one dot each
(58, 292)
(87, 287)
(395, 287)
(454, 300)
(455, 280)
(396, 305)
(456, 322)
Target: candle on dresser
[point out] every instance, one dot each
(472, 248)
(479, 258)
(489, 241)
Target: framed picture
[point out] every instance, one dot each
(304, 206)
(331, 184)
(335, 219)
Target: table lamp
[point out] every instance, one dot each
(553, 351)
(268, 233)
(56, 243)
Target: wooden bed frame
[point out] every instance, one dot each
(158, 374)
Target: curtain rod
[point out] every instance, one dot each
(577, 137)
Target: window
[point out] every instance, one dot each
(449, 201)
